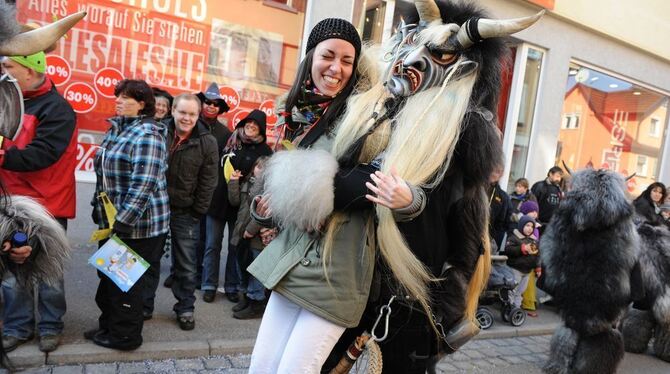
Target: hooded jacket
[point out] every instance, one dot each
(548, 196)
(218, 207)
(243, 158)
(517, 259)
(41, 161)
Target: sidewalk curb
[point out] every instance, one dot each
(29, 356)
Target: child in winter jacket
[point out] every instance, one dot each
(523, 256)
(247, 238)
(520, 195)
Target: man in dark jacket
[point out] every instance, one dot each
(220, 212)
(549, 195)
(500, 222)
(39, 162)
(213, 105)
(191, 179)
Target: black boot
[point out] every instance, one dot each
(253, 311)
(242, 304)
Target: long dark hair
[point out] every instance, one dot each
(336, 107)
(647, 193)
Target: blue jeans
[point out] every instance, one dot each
(255, 289)
(19, 313)
(19, 308)
(185, 231)
(212, 257)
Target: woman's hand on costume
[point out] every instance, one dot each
(263, 206)
(267, 235)
(390, 191)
(247, 235)
(17, 255)
(235, 175)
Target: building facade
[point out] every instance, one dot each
(589, 84)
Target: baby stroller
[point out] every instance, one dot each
(501, 283)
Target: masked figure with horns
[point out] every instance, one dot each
(46, 239)
(431, 124)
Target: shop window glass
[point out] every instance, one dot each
(249, 48)
(531, 82)
(621, 126)
(373, 22)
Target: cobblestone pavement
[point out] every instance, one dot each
(476, 356)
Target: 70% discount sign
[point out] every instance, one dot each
(81, 96)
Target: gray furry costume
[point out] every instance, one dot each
(589, 253)
(650, 316)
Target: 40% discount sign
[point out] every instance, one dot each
(105, 81)
(58, 69)
(81, 96)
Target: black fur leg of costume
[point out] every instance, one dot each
(561, 351)
(574, 354)
(637, 328)
(599, 354)
(662, 342)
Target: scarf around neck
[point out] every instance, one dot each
(238, 137)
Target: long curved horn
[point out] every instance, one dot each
(37, 40)
(428, 10)
(477, 29)
(566, 167)
(630, 177)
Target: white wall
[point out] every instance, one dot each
(321, 9)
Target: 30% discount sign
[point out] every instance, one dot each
(81, 96)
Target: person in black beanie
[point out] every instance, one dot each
(305, 314)
(303, 115)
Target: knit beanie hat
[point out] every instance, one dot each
(529, 206)
(334, 28)
(523, 221)
(35, 61)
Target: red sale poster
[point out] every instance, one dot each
(177, 45)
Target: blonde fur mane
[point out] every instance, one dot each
(420, 147)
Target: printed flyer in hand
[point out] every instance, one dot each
(119, 262)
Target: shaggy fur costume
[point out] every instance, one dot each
(588, 252)
(47, 238)
(306, 174)
(651, 315)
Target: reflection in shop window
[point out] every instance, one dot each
(610, 123)
(654, 127)
(641, 168)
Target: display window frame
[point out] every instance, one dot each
(656, 170)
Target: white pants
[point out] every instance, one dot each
(292, 339)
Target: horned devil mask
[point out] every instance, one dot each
(425, 54)
(16, 43)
